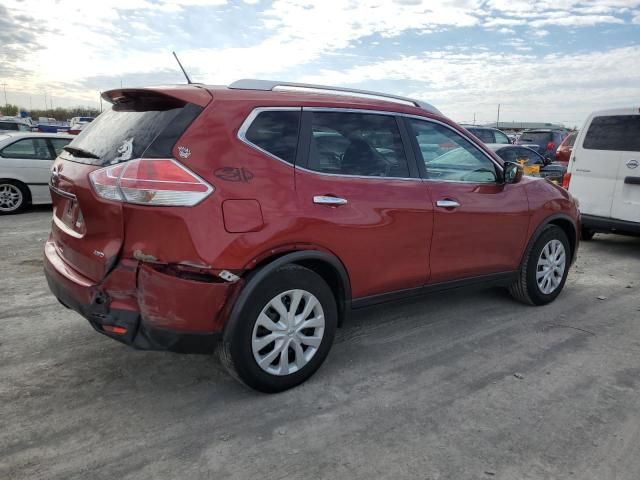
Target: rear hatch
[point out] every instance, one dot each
(538, 141)
(88, 228)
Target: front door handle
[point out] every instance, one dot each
(447, 204)
(329, 200)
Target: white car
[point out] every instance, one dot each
(604, 172)
(25, 168)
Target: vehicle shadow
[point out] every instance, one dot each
(619, 245)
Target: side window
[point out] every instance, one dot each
(485, 135)
(276, 132)
(527, 156)
(58, 144)
(29, 148)
(501, 137)
(507, 154)
(449, 156)
(360, 144)
(620, 132)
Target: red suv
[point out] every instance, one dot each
(258, 215)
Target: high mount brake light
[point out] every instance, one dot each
(151, 181)
(550, 146)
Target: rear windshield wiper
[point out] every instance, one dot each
(79, 152)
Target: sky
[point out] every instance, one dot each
(552, 61)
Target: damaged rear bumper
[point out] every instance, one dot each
(149, 309)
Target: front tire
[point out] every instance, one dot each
(283, 332)
(544, 268)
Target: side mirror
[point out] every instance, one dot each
(512, 172)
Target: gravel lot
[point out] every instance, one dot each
(423, 389)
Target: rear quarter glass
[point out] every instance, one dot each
(134, 131)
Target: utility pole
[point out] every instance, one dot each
(100, 95)
(45, 100)
(474, 118)
(498, 121)
(4, 85)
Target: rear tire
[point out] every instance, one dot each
(283, 332)
(14, 197)
(544, 268)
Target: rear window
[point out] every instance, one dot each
(620, 132)
(276, 132)
(485, 135)
(539, 138)
(146, 128)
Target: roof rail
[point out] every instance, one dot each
(270, 85)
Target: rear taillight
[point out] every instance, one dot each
(550, 146)
(566, 178)
(150, 182)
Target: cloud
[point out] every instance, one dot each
(74, 49)
(477, 82)
(18, 37)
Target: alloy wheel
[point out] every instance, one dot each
(11, 197)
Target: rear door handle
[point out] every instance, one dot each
(329, 200)
(447, 203)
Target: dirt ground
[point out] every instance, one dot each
(464, 385)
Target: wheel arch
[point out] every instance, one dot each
(568, 226)
(325, 264)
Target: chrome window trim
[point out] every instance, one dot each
(258, 110)
(242, 131)
(364, 177)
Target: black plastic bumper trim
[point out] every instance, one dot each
(604, 224)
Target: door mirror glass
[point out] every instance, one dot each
(512, 172)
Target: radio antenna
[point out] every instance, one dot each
(182, 68)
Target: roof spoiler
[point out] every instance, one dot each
(270, 85)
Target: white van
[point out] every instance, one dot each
(604, 172)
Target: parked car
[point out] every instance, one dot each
(604, 172)
(563, 153)
(76, 124)
(51, 125)
(260, 214)
(12, 124)
(488, 134)
(532, 162)
(543, 141)
(25, 168)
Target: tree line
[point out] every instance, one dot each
(58, 113)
